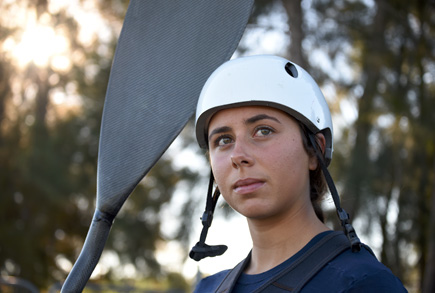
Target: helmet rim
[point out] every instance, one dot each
(264, 80)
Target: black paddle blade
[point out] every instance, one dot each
(165, 53)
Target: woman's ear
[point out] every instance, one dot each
(321, 142)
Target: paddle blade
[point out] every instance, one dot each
(165, 53)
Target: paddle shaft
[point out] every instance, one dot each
(90, 254)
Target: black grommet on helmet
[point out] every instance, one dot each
(291, 70)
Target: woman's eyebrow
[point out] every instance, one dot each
(260, 117)
(248, 121)
(219, 130)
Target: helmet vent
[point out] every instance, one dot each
(291, 69)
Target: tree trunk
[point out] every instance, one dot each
(429, 273)
(297, 35)
(5, 91)
(371, 72)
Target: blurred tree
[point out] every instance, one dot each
(377, 56)
(380, 59)
(391, 54)
(50, 111)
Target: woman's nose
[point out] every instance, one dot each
(240, 156)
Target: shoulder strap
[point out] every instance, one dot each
(300, 272)
(231, 278)
(294, 277)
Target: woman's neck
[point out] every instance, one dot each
(275, 240)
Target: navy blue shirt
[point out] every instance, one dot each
(348, 272)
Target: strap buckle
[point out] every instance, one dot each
(349, 230)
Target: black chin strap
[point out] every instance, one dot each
(355, 243)
(202, 250)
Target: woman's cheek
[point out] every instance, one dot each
(217, 168)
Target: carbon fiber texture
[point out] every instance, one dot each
(165, 53)
(91, 252)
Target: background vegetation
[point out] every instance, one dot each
(373, 59)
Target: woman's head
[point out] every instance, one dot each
(261, 161)
(265, 80)
(276, 83)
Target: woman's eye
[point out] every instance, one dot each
(224, 140)
(264, 131)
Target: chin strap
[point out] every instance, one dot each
(355, 243)
(202, 250)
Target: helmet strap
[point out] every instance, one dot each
(343, 216)
(202, 250)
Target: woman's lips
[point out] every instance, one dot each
(248, 185)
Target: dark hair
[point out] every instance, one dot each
(317, 181)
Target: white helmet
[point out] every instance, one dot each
(274, 82)
(265, 80)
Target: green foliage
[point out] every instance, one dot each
(389, 170)
(380, 59)
(48, 157)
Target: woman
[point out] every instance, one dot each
(268, 132)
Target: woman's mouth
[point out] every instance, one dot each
(244, 186)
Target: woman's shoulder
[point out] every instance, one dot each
(208, 284)
(363, 261)
(347, 272)
(357, 272)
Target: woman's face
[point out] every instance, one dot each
(259, 161)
